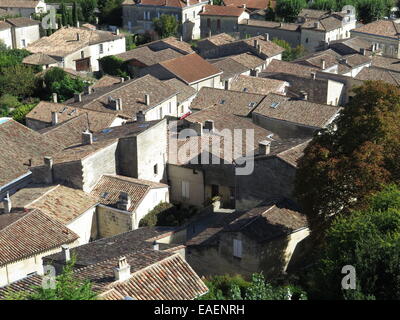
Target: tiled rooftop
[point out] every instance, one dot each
(296, 111)
(257, 85)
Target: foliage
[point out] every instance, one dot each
(167, 214)
(58, 81)
(236, 288)
(130, 42)
(290, 53)
(7, 103)
(270, 14)
(353, 157)
(166, 25)
(68, 287)
(113, 66)
(289, 9)
(88, 8)
(11, 57)
(369, 240)
(18, 79)
(323, 5)
(110, 11)
(21, 111)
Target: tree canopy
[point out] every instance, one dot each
(353, 157)
(368, 240)
(166, 25)
(290, 9)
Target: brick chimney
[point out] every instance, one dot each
(54, 118)
(123, 271)
(264, 147)
(209, 125)
(124, 201)
(147, 99)
(87, 137)
(140, 116)
(66, 253)
(7, 203)
(78, 97)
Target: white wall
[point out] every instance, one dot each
(335, 91)
(29, 34)
(5, 36)
(152, 198)
(82, 225)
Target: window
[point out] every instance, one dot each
(185, 189)
(237, 248)
(155, 169)
(23, 43)
(101, 48)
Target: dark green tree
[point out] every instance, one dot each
(64, 14)
(353, 157)
(290, 53)
(75, 14)
(18, 79)
(166, 25)
(368, 240)
(289, 9)
(113, 66)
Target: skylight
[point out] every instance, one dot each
(274, 105)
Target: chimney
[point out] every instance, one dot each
(89, 90)
(117, 32)
(209, 125)
(188, 2)
(78, 25)
(78, 97)
(258, 49)
(115, 104)
(180, 38)
(226, 85)
(264, 147)
(323, 61)
(122, 79)
(156, 246)
(140, 116)
(54, 118)
(123, 271)
(363, 51)
(255, 42)
(266, 37)
(316, 24)
(48, 162)
(124, 201)
(66, 253)
(313, 75)
(244, 6)
(55, 97)
(78, 36)
(7, 203)
(147, 99)
(87, 137)
(209, 33)
(304, 95)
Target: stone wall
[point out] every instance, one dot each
(111, 221)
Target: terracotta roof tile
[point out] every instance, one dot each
(385, 28)
(228, 11)
(36, 233)
(257, 85)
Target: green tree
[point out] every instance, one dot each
(289, 9)
(88, 8)
(68, 287)
(110, 11)
(18, 79)
(353, 157)
(368, 240)
(290, 53)
(270, 14)
(371, 10)
(323, 5)
(166, 25)
(113, 66)
(75, 14)
(227, 287)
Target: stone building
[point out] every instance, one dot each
(18, 33)
(221, 19)
(137, 15)
(264, 239)
(24, 8)
(38, 235)
(79, 48)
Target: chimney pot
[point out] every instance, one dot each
(117, 32)
(264, 147)
(78, 97)
(123, 271)
(304, 95)
(48, 162)
(87, 137)
(140, 116)
(363, 51)
(323, 61)
(122, 79)
(78, 37)
(54, 118)
(7, 203)
(209, 125)
(66, 253)
(55, 97)
(147, 99)
(89, 89)
(313, 75)
(124, 202)
(156, 246)
(226, 84)
(266, 36)
(255, 43)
